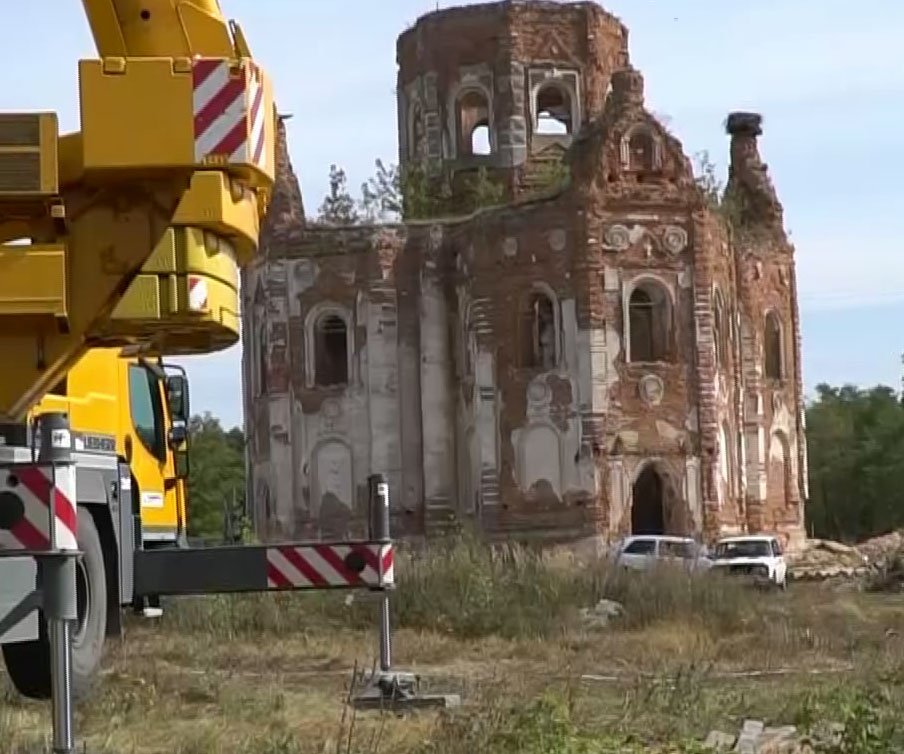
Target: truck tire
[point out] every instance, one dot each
(28, 663)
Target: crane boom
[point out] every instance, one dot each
(159, 28)
(176, 144)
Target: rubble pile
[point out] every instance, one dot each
(879, 560)
(823, 559)
(879, 551)
(755, 738)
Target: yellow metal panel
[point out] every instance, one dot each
(92, 394)
(141, 118)
(28, 154)
(33, 280)
(163, 259)
(223, 205)
(141, 301)
(210, 256)
(105, 27)
(206, 28)
(148, 28)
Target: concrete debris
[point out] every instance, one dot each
(602, 614)
(756, 738)
(821, 559)
(881, 550)
(750, 735)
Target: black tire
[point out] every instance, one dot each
(28, 663)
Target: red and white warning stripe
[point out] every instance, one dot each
(25, 508)
(197, 294)
(230, 113)
(329, 566)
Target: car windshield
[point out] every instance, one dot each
(747, 548)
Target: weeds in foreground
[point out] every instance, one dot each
(466, 589)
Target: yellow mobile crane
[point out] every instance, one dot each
(174, 162)
(184, 301)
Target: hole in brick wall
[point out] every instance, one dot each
(773, 347)
(553, 108)
(480, 140)
(539, 332)
(719, 328)
(649, 322)
(648, 510)
(475, 137)
(417, 138)
(641, 150)
(262, 367)
(331, 351)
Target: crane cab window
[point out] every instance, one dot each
(146, 408)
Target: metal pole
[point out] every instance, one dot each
(379, 531)
(58, 580)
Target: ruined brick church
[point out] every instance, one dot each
(606, 355)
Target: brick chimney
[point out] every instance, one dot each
(748, 175)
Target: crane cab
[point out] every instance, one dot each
(130, 407)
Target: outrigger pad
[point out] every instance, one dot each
(400, 692)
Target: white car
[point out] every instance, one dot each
(756, 556)
(642, 551)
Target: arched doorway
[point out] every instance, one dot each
(648, 510)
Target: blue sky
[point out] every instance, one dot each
(825, 75)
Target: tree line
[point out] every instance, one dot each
(855, 440)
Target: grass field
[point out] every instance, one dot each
(269, 674)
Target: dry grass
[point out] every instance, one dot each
(269, 674)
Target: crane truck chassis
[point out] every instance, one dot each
(72, 556)
(116, 567)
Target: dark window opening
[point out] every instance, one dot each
(648, 510)
(146, 407)
(475, 136)
(539, 332)
(648, 312)
(417, 148)
(331, 351)
(554, 115)
(773, 347)
(719, 331)
(262, 362)
(641, 151)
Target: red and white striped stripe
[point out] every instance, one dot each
(197, 294)
(25, 508)
(230, 113)
(324, 566)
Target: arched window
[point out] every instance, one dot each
(726, 457)
(720, 332)
(649, 323)
(553, 108)
(641, 150)
(330, 351)
(417, 135)
(538, 329)
(260, 367)
(773, 343)
(474, 134)
(467, 344)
